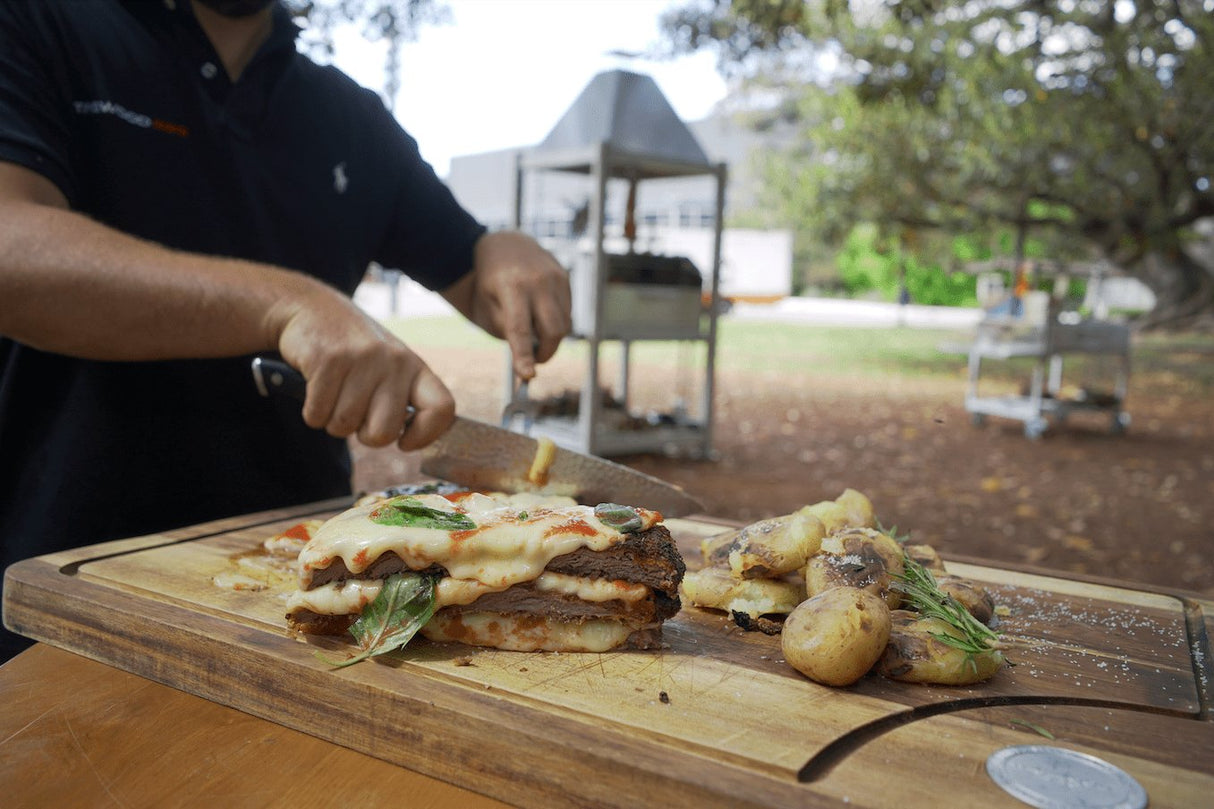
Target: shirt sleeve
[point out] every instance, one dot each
(35, 107)
(430, 236)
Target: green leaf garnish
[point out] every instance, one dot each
(412, 513)
(1033, 727)
(403, 606)
(624, 519)
(925, 597)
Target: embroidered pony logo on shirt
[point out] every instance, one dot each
(340, 181)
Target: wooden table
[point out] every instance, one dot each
(77, 733)
(714, 719)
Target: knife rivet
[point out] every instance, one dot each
(276, 379)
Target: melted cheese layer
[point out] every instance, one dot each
(595, 590)
(345, 598)
(526, 633)
(508, 545)
(337, 598)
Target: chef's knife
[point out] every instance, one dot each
(488, 458)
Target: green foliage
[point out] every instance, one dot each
(933, 285)
(1054, 128)
(865, 266)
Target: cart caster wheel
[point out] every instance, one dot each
(1035, 428)
(977, 419)
(1121, 422)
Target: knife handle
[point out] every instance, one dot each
(275, 376)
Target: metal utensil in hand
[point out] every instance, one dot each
(521, 405)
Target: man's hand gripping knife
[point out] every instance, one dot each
(363, 381)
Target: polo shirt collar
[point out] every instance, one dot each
(176, 18)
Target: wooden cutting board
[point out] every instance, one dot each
(716, 718)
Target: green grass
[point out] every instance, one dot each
(758, 346)
(450, 331)
(836, 350)
(1183, 365)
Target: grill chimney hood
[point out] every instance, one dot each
(626, 115)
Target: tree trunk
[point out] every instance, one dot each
(1183, 284)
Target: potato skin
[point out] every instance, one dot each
(773, 547)
(857, 557)
(832, 515)
(835, 637)
(970, 595)
(925, 555)
(858, 507)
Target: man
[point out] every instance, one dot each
(179, 190)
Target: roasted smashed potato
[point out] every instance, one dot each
(925, 555)
(715, 549)
(780, 545)
(835, 637)
(777, 546)
(717, 588)
(915, 653)
(857, 557)
(852, 509)
(975, 599)
(859, 509)
(863, 600)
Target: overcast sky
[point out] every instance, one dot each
(503, 71)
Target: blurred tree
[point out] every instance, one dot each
(1086, 124)
(394, 21)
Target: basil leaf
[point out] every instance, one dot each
(403, 606)
(624, 519)
(412, 513)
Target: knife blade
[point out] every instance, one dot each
(484, 457)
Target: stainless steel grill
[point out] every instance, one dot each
(621, 128)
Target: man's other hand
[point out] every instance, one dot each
(518, 292)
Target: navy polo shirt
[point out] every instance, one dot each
(126, 108)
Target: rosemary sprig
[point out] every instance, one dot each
(925, 597)
(892, 533)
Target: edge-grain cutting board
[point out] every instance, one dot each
(716, 718)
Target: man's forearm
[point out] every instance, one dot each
(76, 287)
(73, 286)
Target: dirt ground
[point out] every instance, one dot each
(1136, 507)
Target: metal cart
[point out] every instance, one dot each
(621, 128)
(1001, 338)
